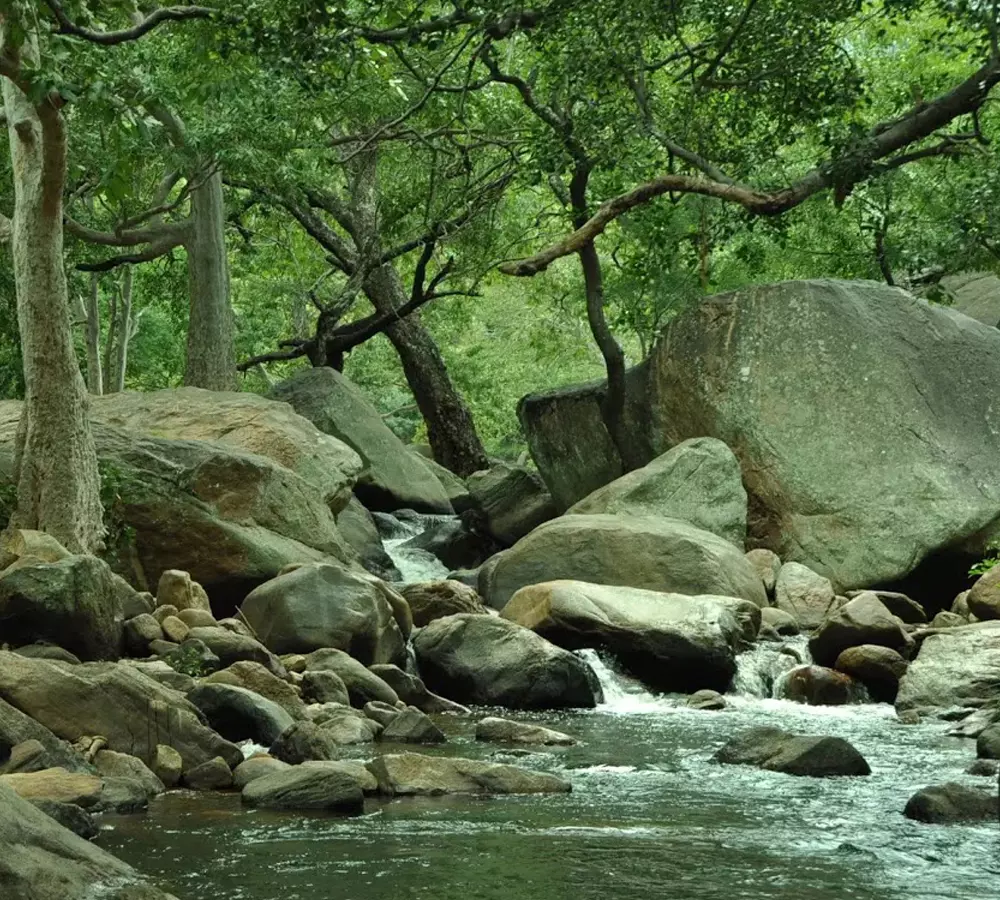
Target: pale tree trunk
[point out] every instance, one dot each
(126, 330)
(211, 355)
(109, 344)
(95, 379)
(58, 486)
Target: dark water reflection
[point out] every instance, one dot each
(648, 816)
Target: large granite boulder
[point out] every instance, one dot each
(775, 750)
(864, 448)
(131, 711)
(698, 481)
(306, 788)
(241, 421)
(863, 620)
(42, 860)
(955, 667)
(77, 603)
(414, 774)
(392, 477)
(951, 803)
(431, 600)
(510, 500)
(672, 642)
(495, 662)
(326, 605)
(239, 714)
(654, 553)
(258, 678)
(362, 684)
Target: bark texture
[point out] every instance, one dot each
(211, 360)
(58, 486)
(95, 374)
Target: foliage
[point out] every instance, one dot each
(186, 659)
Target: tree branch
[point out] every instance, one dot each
(110, 38)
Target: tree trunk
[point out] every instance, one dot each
(613, 404)
(125, 330)
(58, 485)
(95, 380)
(109, 343)
(450, 429)
(211, 355)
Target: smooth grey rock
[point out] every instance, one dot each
(414, 774)
(779, 751)
(863, 620)
(362, 684)
(305, 788)
(506, 731)
(951, 803)
(239, 714)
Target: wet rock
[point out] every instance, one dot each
(863, 620)
(818, 686)
(432, 600)
(652, 553)
(257, 678)
(767, 564)
(698, 481)
(804, 594)
(305, 788)
(256, 767)
(345, 726)
(491, 661)
(111, 764)
(382, 713)
(672, 642)
(707, 700)
(352, 768)
(304, 740)
(984, 597)
(413, 692)
(513, 501)
(56, 784)
(951, 803)
(124, 796)
(324, 687)
(456, 542)
(358, 528)
(70, 816)
(212, 775)
(362, 684)
(988, 743)
(409, 774)
(780, 621)
(167, 765)
(506, 731)
(985, 768)
(779, 751)
(412, 726)
(239, 714)
(877, 668)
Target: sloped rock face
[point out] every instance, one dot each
(863, 446)
(512, 501)
(698, 481)
(393, 478)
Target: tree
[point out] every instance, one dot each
(58, 485)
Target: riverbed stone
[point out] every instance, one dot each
(362, 684)
(56, 784)
(176, 588)
(346, 726)
(231, 648)
(18, 730)
(984, 596)
(511, 501)
(652, 553)
(818, 686)
(767, 564)
(111, 764)
(413, 692)
(70, 816)
(197, 618)
(988, 743)
(900, 605)
(946, 619)
(878, 668)
(863, 620)
(698, 481)
(326, 605)
(411, 726)
(507, 731)
(324, 687)
(951, 803)
(780, 751)
(496, 662)
(672, 642)
(305, 788)
(255, 767)
(212, 775)
(804, 594)
(780, 621)
(239, 714)
(956, 667)
(175, 629)
(167, 764)
(303, 741)
(140, 631)
(430, 600)
(258, 678)
(415, 774)
(358, 528)
(706, 700)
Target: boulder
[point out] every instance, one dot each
(18, 729)
(781, 622)
(878, 668)
(858, 471)
(454, 487)
(42, 860)
(167, 764)
(361, 683)
(414, 774)
(983, 599)
(124, 796)
(863, 620)
(455, 542)
(76, 602)
(175, 629)
(71, 817)
(817, 686)
(56, 784)
(988, 743)
(412, 726)
(131, 711)
(197, 618)
(951, 803)
(111, 764)
(506, 731)
(698, 481)
(984, 768)
(241, 421)
(495, 662)
(239, 714)
(956, 667)
(305, 788)
(255, 767)
(140, 632)
(511, 500)
(706, 700)
(45, 650)
(656, 554)
(767, 564)
(231, 648)
(430, 600)
(304, 741)
(175, 588)
(321, 686)
(358, 528)
(257, 678)
(945, 619)
(778, 751)
(392, 477)
(413, 692)
(900, 605)
(345, 726)
(353, 768)
(672, 642)
(802, 593)
(381, 712)
(212, 775)
(324, 605)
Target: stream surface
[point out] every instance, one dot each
(649, 815)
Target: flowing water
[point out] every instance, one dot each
(649, 815)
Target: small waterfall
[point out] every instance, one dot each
(760, 671)
(621, 693)
(414, 564)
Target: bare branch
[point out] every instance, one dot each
(110, 38)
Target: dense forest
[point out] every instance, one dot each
(641, 323)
